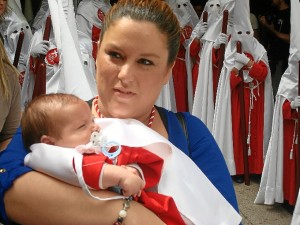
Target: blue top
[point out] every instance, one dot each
(201, 147)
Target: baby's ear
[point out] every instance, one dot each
(47, 140)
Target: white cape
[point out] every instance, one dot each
(195, 196)
(296, 213)
(271, 186)
(203, 107)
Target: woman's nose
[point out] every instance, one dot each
(126, 73)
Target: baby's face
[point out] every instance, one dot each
(77, 125)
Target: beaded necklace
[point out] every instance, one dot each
(96, 107)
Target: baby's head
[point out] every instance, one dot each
(57, 119)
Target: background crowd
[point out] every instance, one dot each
(209, 76)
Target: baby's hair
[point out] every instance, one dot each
(41, 115)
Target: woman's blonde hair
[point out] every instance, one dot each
(5, 66)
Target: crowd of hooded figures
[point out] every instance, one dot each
(222, 74)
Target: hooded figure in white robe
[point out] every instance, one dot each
(70, 67)
(89, 17)
(12, 22)
(179, 84)
(258, 97)
(280, 157)
(204, 100)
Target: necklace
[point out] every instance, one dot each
(96, 107)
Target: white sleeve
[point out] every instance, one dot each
(54, 161)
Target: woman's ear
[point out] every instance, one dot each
(47, 140)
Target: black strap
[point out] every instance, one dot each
(180, 118)
(162, 116)
(90, 102)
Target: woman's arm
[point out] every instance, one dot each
(35, 198)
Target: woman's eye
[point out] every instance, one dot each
(239, 32)
(114, 54)
(248, 32)
(145, 62)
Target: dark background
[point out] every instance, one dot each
(258, 7)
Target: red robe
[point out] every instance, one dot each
(215, 70)
(289, 158)
(180, 73)
(258, 72)
(151, 165)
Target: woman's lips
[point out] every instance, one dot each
(123, 93)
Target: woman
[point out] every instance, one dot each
(10, 111)
(130, 75)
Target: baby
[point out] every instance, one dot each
(66, 121)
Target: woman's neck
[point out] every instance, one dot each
(98, 111)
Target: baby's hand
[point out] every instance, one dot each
(131, 183)
(132, 170)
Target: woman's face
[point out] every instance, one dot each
(131, 68)
(3, 5)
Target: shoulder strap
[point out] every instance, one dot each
(180, 118)
(182, 122)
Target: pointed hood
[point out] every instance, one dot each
(184, 12)
(243, 32)
(215, 19)
(242, 15)
(242, 29)
(15, 6)
(41, 15)
(288, 86)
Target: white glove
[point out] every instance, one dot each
(221, 39)
(296, 103)
(247, 78)
(241, 58)
(202, 29)
(40, 49)
(238, 65)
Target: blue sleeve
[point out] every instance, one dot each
(204, 151)
(11, 167)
